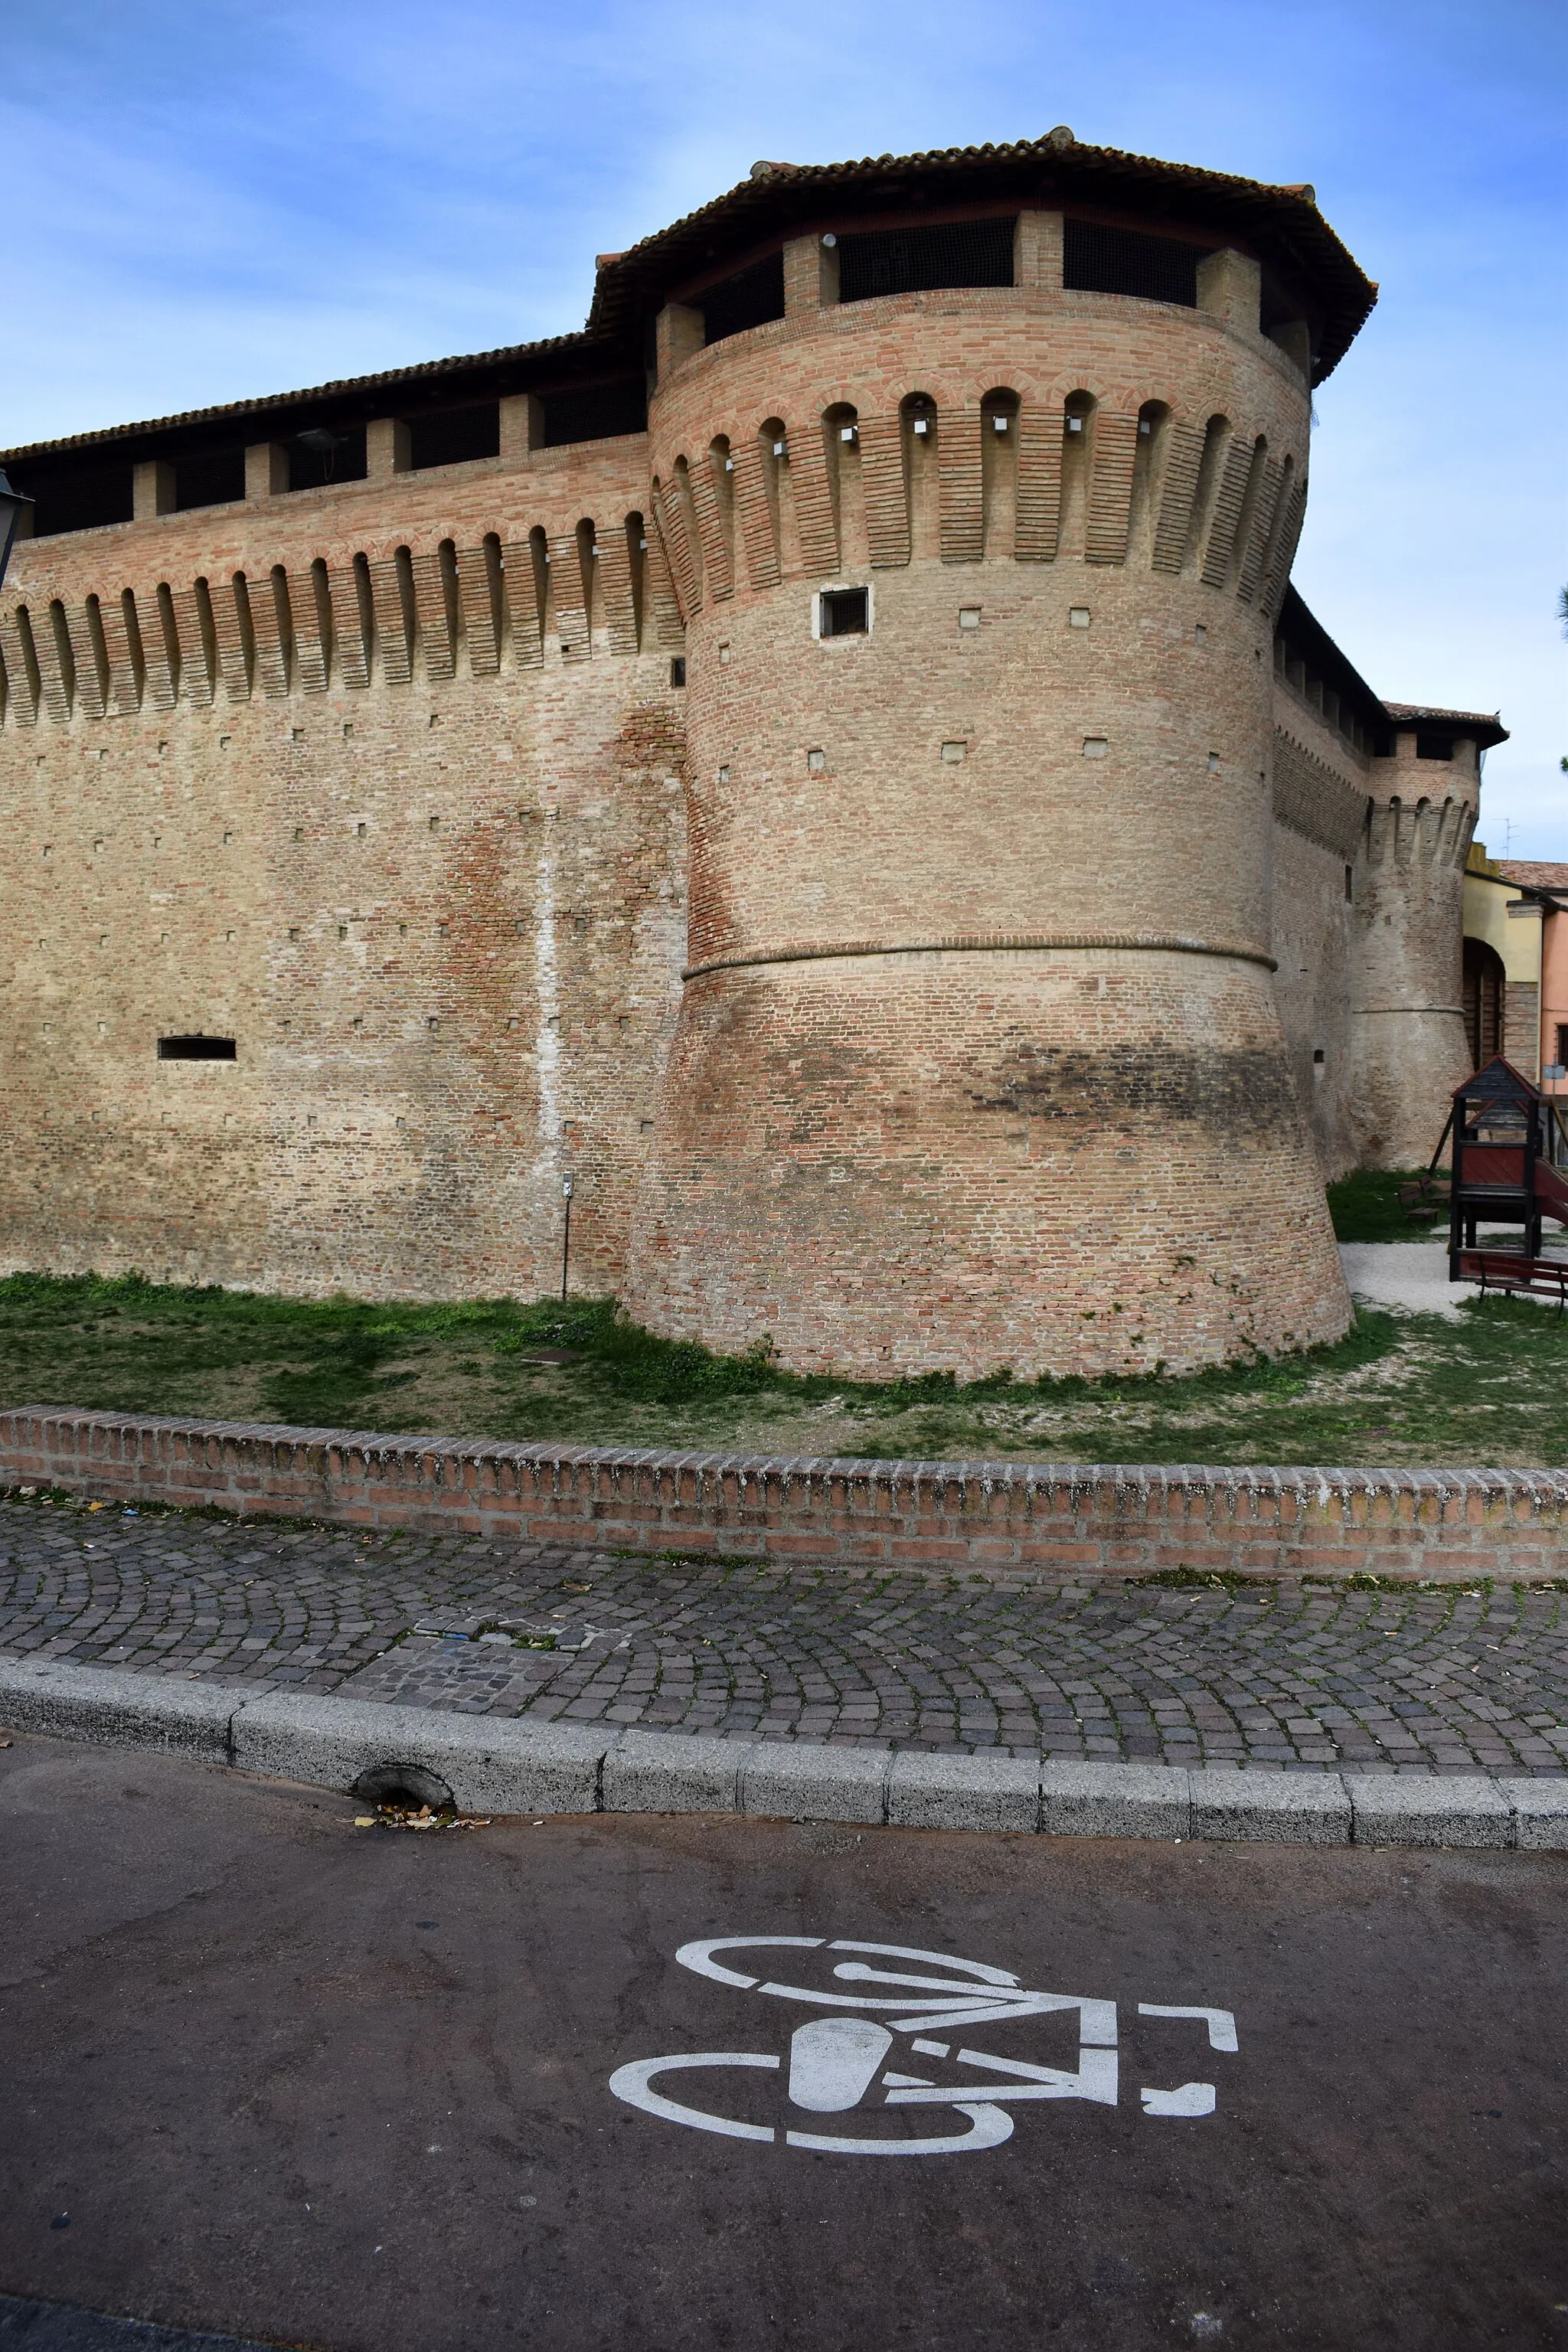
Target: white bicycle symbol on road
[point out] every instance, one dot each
(835, 2062)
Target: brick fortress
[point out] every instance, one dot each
(828, 757)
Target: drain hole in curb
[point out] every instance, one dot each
(406, 1786)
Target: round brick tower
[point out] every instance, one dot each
(978, 1063)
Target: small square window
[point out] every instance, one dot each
(816, 762)
(1078, 616)
(954, 752)
(1200, 634)
(723, 775)
(1317, 1054)
(1095, 747)
(969, 617)
(1214, 763)
(724, 652)
(844, 612)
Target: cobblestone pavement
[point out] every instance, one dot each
(1295, 1676)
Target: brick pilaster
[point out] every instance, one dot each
(56, 667)
(353, 624)
(524, 603)
(436, 613)
(960, 458)
(1227, 515)
(22, 681)
(1113, 455)
(391, 603)
(89, 658)
(813, 495)
(753, 514)
(123, 644)
(615, 593)
(235, 639)
(265, 469)
(310, 608)
(569, 597)
(1039, 509)
(886, 488)
(479, 598)
(718, 574)
(1184, 462)
(198, 664)
(659, 590)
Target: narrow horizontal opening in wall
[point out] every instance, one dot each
(454, 436)
(76, 501)
(751, 299)
(596, 412)
(209, 478)
(197, 1049)
(327, 452)
(1099, 260)
(1434, 747)
(923, 260)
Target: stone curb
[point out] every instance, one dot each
(518, 1765)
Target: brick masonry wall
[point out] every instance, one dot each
(978, 1518)
(1319, 799)
(388, 781)
(1408, 1026)
(1043, 1113)
(429, 878)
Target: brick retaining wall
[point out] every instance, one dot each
(985, 1518)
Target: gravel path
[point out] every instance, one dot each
(1415, 1275)
(1300, 1676)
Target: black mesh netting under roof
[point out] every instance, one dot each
(1099, 260)
(921, 260)
(751, 299)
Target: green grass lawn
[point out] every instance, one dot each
(1364, 1207)
(1490, 1387)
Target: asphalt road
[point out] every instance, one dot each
(268, 2075)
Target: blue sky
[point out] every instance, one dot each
(216, 200)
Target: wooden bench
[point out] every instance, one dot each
(1545, 1277)
(1426, 1198)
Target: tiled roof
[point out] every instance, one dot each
(1419, 712)
(320, 397)
(1533, 873)
(1282, 224)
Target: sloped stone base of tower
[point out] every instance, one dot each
(1049, 1160)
